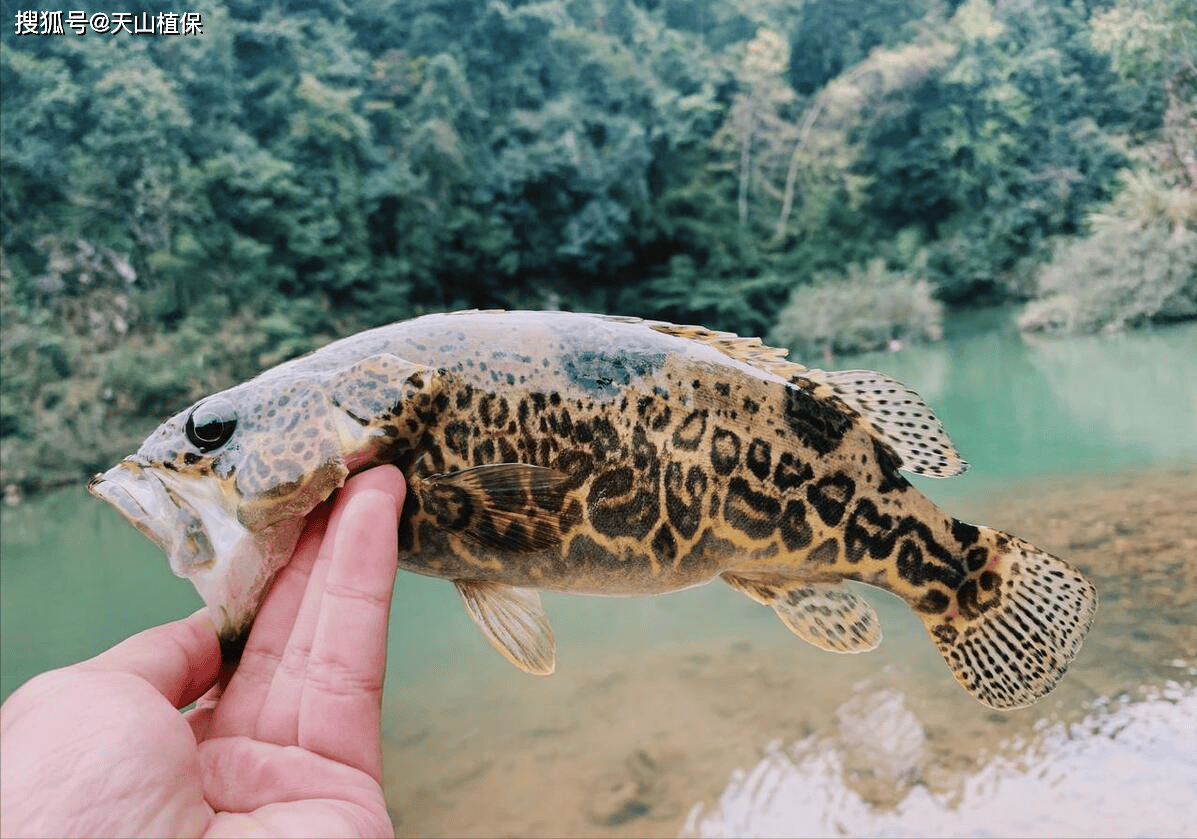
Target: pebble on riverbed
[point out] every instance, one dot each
(629, 792)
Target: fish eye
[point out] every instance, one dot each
(211, 424)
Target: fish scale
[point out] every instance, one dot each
(607, 455)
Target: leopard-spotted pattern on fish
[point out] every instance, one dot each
(583, 453)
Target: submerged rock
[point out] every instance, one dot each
(628, 793)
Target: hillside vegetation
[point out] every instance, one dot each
(180, 211)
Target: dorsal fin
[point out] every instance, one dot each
(899, 417)
(895, 414)
(748, 350)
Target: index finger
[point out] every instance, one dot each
(180, 659)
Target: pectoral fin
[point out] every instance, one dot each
(509, 506)
(513, 621)
(827, 615)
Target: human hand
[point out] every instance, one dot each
(291, 748)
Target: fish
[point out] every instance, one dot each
(607, 455)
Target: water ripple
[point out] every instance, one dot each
(1126, 769)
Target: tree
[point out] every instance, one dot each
(1009, 145)
(1138, 262)
(757, 128)
(1155, 45)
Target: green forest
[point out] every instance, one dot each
(181, 211)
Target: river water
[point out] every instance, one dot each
(698, 714)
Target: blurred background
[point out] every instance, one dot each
(994, 202)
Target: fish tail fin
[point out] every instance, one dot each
(1017, 621)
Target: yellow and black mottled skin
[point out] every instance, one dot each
(682, 463)
(590, 454)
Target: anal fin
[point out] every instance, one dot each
(513, 620)
(827, 615)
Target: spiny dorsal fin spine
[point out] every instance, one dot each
(751, 351)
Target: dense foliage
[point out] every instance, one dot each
(180, 211)
(873, 307)
(1138, 263)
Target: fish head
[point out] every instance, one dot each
(224, 487)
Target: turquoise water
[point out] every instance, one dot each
(1020, 409)
(76, 578)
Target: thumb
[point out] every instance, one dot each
(181, 659)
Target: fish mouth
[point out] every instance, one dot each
(165, 518)
(196, 521)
